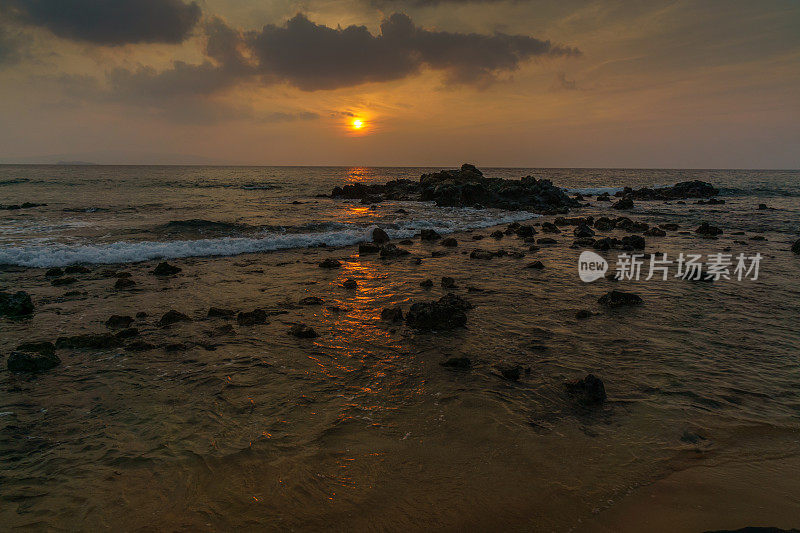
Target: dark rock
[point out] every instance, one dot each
(18, 304)
(655, 232)
(89, 341)
(165, 269)
(140, 346)
(462, 363)
(583, 314)
(605, 197)
(40, 347)
(302, 331)
(450, 242)
(330, 263)
(438, 253)
(171, 317)
(510, 371)
(251, 318)
(429, 235)
(311, 300)
(350, 283)
(368, 248)
(549, 227)
(379, 236)
(392, 314)
(624, 204)
(525, 230)
(497, 234)
(796, 247)
(20, 361)
(604, 224)
(427, 284)
(390, 251)
(175, 347)
(54, 273)
(124, 283)
(583, 231)
(546, 240)
(127, 333)
(619, 298)
(119, 321)
(446, 313)
(76, 269)
(712, 201)
(477, 237)
(669, 227)
(587, 391)
(708, 230)
(633, 242)
(586, 242)
(222, 331)
(535, 264)
(60, 282)
(218, 312)
(685, 189)
(141, 314)
(758, 238)
(762, 207)
(448, 283)
(481, 254)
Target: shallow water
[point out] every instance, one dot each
(361, 427)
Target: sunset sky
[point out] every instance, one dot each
(536, 83)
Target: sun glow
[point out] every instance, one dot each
(357, 124)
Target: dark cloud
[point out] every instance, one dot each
(108, 22)
(11, 46)
(312, 56)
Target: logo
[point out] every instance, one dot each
(591, 266)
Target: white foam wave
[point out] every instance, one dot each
(60, 254)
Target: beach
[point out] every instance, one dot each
(233, 419)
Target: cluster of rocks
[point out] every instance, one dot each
(466, 187)
(448, 312)
(679, 191)
(24, 205)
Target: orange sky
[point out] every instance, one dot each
(500, 83)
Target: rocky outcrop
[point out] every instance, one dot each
(379, 236)
(392, 314)
(446, 313)
(33, 357)
(467, 187)
(587, 391)
(172, 317)
(682, 190)
(119, 321)
(16, 305)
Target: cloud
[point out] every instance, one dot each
(106, 22)
(11, 47)
(315, 57)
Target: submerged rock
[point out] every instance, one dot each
(350, 283)
(682, 190)
(617, 298)
(426, 284)
(18, 304)
(448, 282)
(587, 391)
(390, 251)
(481, 254)
(655, 232)
(311, 300)
(462, 363)
(583, 314)
(708, 230)
(76, 269)
(60, 282)
(124, 283)
(450, 242)
(54, 273)
(301, 331)
(796, 247)
(446, 313)
(392, 314)
(623, 204)
(252, 318)
(119, 321)
(32, 361)
(536, 264)
(367, 248)
(172, 317)
(218, 312)
(330, 263)
(509, 371)
(429, 235)
(89, 341)
(165, 269)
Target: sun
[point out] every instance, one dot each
(357, 124)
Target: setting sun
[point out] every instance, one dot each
(357, 124)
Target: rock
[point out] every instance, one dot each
(175, 347)
(669, 227)
(429, 235)
(127, 333)
(22, 361)
(583, 231)
(60, 282)
(796, 247)
(462, 363)
(438, 253)
(124, 283)
(708, 230)
(685, 189)
(655, 232)
(509, 371)
(18, 304)
(549, 227)
(481, 254)
(624, 204)
(525, 230)
(448, 282)
(446, 313)
(583, 314)
(605, 197)
(218, 312)
(477, 237)
(141, 314)
(89, 341)
(712, 201)
(330, 263)
(586, 242)
(350, 284)
(390, 251)
(37, 347)
(222, 331)
(587, 391)
(165, 269)
(516, 254)
(392, 314)
(140, 346)
(633, 242)
(536, 264)
(252, 318)
(76, 269)
(119, 321)
(54, 273)
(301, 331)
(497, 234)
(762, 207)
(619, 298)
(379, 236)
(546, 240)
(450, 242)
(311, 300)
(427, 284)
(172, 317)
(604, 224)
(368, 249)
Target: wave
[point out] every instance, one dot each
(53, 255)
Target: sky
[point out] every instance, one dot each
(516, 83)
